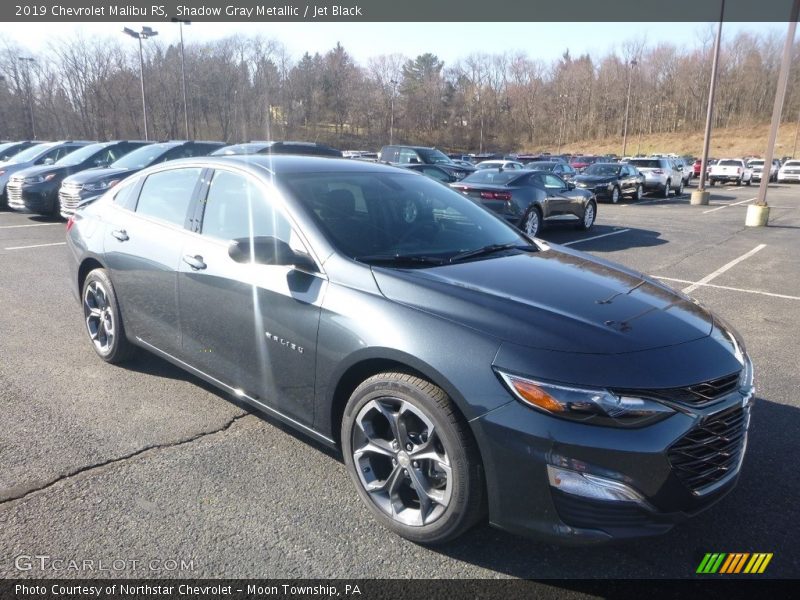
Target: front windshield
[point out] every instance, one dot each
(78, 156)
(756, 163)
(239, 149)
(375, 216)
(31, 153)
(433, 156)
(602, 170)
(141, 157)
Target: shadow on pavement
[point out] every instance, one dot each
(632, 238)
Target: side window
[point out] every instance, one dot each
(236, 207)
(175, 153)
(122, 196)
(51, 154)
(435, 173)
(536, 180)
(408, 156)
(551, 182)
(166, 195)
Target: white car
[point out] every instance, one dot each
(790, 171)
(506, 165)
(730, 169)
(757, 164)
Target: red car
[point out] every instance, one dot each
(698, 164)
(579, 163)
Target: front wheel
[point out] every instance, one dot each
(749, 181)
(667, 187)
(679, 192)
(103, 319)
(532, 222)
(589, 216)
(639, 193)
(412, 458)
(615, 195)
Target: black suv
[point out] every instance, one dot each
(36, 189)
(88, 185)
(404, 155)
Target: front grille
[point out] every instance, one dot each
(69, 196)
(699, 394)
(14, 191)
(712, 450)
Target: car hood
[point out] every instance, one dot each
(45, 170)
(97, 174)
(554, 299)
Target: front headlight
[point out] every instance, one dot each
(590, 406)
(99, 186)
(747, 377)
(610, 187)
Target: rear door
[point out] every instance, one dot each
(559, 199)
(143, 245)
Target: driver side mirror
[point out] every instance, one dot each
(48, 161)
(268, 250)
(570, 185)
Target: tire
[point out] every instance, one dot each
(665, 191)
(615, 195)
(531, 223)
(679, 191)
(589, 216)
(637, 195)
(749, 181)
(738, 181)
(712, 182)
(380, 455)
(103, 320)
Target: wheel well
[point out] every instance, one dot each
(353, 377)
(87, 266)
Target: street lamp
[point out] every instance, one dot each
(391, 118)
(144, 34)
(27, 61)
(631, 64)
(181, 23)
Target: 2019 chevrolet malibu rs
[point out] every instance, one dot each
(462, 368)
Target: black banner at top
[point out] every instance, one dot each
(630, 11)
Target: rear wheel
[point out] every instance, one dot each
(412, 458)
(103, 319)
(532, 222)
(638, 193)
(679, 192)
(749, 181)
(665, 191)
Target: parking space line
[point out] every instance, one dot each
(726, 287)
(727, 205)
(35, 246)
(722, 269)
(595, 237)
(29, 225)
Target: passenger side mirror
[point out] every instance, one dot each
(570, 185)
(268, 250)
(48, 161)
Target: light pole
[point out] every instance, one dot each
(700, 196)
(631, 64)
(562, 121)
(391, 118)
(181, 23)
(758, 213)
(27, 61)
(144, 34)
(796, 132)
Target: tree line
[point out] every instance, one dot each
(242, 88)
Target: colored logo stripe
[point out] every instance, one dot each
(728, 564)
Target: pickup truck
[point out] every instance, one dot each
(730, 169)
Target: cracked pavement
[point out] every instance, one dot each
(149, 463)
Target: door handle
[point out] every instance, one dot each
(196, 262)
(121, 235)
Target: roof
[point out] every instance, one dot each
(295, 163)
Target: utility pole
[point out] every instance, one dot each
(391, 118)
(181, 23)
(631, 64)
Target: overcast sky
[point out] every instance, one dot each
(449, 41)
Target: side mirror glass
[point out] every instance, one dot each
(268, 250)
(48, 161)
(570, 185)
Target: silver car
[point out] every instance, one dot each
(661, 175)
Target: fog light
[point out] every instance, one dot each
(592, 486)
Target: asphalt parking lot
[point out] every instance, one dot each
(148, 463)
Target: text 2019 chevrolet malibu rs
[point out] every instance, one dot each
(462, 368)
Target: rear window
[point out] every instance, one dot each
(491, 176)
(730, 163)
(646, 163)
(792, 163)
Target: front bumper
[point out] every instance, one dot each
(40, 198)
(518, 443)
(788, 177)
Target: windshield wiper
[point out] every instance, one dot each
(410, 259)
(490, 249)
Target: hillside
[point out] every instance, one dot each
(733, 141)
